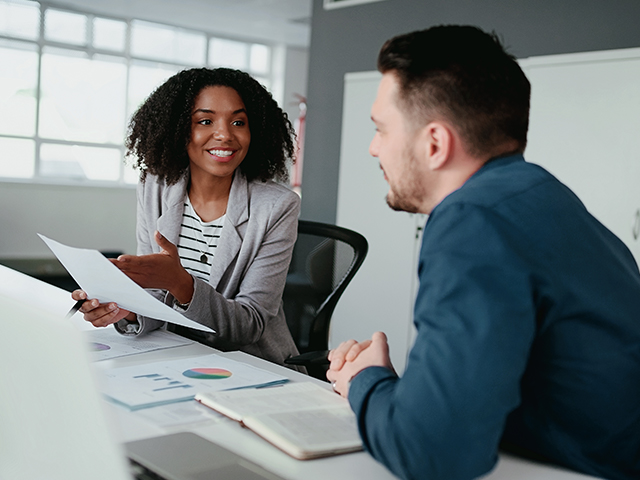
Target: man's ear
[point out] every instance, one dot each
(439, 144)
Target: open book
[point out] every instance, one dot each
(302, 419)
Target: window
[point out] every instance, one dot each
(68, 89)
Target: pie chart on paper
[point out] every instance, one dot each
(207, 373)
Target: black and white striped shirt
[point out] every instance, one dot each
(198, 242)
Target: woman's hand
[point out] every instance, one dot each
(159, 270)
(101, 314)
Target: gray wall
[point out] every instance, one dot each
(348, 39)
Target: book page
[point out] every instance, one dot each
(303, 419)
(309, 433)
(284, 398)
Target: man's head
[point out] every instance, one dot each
(448, 92)
(464, 76)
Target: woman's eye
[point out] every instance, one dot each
(238, 123)
(204, 121)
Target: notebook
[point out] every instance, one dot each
(53, 422)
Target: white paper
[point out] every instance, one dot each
(158, 383)
(107, 343)
(178, 415)
(101, 279)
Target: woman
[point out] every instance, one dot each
(215, 232)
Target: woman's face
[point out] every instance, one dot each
(220, 135)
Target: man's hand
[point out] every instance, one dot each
(159, 270)
(352, 357)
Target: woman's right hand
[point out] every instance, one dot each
(101, 314)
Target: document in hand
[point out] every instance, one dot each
(302, 419)
(97, 276)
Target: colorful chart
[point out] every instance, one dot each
(207, 373)
(99, 347)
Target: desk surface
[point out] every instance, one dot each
(130, 426)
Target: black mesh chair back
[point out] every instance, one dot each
(325, 259)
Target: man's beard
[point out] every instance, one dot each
(401, 205)
(412, 194)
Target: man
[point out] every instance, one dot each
(528, 310)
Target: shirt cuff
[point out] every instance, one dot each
(363, 383)
(127, 328)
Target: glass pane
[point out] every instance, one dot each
(18, 157)
(260, 58)
(18, 83)
(20, 19)
(65, 27)
(82, 99)
(109, 34)
(143, 80)
(151, 40)
(80, 163)
(227, 53)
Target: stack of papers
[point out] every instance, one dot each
(107, 343)
(143, 386)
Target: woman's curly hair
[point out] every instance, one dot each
(160, 130)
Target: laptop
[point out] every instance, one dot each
(53, 422)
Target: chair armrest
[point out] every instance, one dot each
(309, 358)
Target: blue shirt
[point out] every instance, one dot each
(528, 332)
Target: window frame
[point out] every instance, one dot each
(131, 61)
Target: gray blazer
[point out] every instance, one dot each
(242, 301)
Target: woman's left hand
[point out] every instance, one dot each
(159, 270)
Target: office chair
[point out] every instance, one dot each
(325, 259)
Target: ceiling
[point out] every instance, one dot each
(274, 21)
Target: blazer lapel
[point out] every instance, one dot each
(230, 239)
(173, 197)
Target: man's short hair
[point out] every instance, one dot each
(464, 76)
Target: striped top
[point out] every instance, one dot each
(198, 242)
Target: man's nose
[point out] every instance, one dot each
(373, 146)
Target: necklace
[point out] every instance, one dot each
(205, 234)
(214, 233)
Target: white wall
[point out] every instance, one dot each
(89, 217)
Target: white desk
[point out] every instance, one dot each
(133, 425)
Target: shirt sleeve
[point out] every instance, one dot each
(475, 320)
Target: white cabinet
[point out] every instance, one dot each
(584, 128)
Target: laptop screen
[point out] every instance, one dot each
(52, 419)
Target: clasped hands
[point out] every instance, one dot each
(351, 357)
(157, 270)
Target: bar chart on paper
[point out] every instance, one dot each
(144, 386)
